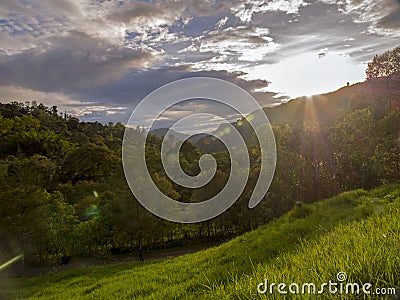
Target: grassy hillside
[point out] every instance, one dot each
(355, 232)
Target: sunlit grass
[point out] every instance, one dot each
(356, 232)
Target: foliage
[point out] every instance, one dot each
(384, 64)
(355, 232)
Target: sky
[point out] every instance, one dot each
(97, 59)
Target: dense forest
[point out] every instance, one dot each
(63, 192)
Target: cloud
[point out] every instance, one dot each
(43, 16)
(103, 114)
(230, 48)
(59, 7)
(323, 53)
(134, 86)
(116, 100)
(245, 10)
(246, 44)
(143, 14)
(160, 38)
(72, 63)
(382, 15)
(221, 22)
(155, 12)
(165, 75)
(16, 43)
(21, 94)
(196, 123)
(11, 7)
(105, 19)
(317, 26)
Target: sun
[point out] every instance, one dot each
(308, 74)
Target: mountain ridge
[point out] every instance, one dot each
(379, 94)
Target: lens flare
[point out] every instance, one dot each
(92, 211)
(11, 261)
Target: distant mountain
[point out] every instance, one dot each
(161, 132)
(195, 138)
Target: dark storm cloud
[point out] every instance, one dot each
(134, 86)
(70, 63)
(392, 20)
(131, 10)
(169, 10)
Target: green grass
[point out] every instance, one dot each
(357, 232)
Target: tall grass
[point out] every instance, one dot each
(357, 232)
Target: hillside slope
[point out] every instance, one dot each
(355, 232)
(380, 95)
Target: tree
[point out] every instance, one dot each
(60, 226)
(353, 141)
(386, 156)
(22, 209)
(384, 64)
(89, 162)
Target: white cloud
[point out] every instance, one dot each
(221, 22)
(288, 6)
(74, 106)
(233, 47)
(156, 37)
(22, 94)
(245, 10)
